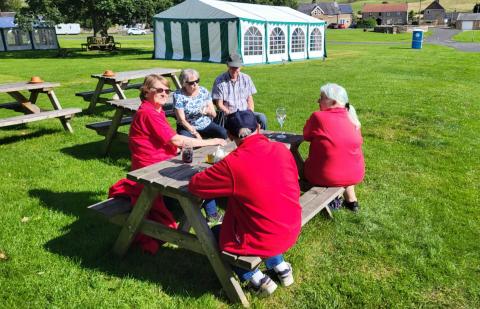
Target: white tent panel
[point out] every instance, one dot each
(232, 38)
(195, 41)
(177, 45)
(252, 42)
(298, 42)
(316, 39)
(277, 35)
(159, 40)
(214, 42)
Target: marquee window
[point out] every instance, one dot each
(298, 40)
(277, 41)
(252, 42)
(316, 40)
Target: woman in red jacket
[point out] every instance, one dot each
(152, 140)
(335, 157)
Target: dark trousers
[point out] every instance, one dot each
(213, 130)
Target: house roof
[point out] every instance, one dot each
(346, 8)
(387, 7)
(306, 8)
(468, 16)
(435, 5)
(213, 9)
(7, 22)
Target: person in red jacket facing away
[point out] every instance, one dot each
(335, 157)
(151, 140)
(263, 215)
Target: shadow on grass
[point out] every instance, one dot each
(90, 239)
(72, 53)
(22, 136)
(93, 151)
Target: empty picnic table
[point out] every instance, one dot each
(109, 128)
(120, 81)
(28, 105)
(171, 178)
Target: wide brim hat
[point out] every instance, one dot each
(234, 60)
(35, 80)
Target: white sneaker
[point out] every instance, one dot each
(266, 288)
(286, 276)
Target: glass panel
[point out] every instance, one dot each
(298, 41)
(17, 39)
(316, 40)
(277, 41)
(253, 44)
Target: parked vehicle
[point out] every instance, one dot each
(67, 29)
(136, 31)
(333, 26)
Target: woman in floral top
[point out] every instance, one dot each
(194, 109)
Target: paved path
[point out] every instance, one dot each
(443, 36)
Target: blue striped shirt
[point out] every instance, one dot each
(234, 94)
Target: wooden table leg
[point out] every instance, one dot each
(298, 159)
(118, 89)
(223, 270)
(27, 106)
(56, 105)
(112, 130)
(131, 226)
(94, 98)
(176, 81)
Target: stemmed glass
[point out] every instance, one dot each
(281, 115)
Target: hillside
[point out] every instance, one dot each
(449, 5)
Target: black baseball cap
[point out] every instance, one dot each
(239, 120)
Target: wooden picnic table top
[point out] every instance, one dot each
(19, 86)
(128, 75)
(174, 175)
(133, 104)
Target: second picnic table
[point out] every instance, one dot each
(120, 81)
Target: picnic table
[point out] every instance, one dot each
(124, 109)
(32, 112)
(120, 81)
(171, 178)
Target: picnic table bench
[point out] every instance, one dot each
(100, 43)
(170, 178)
(29, 107)
(109, 128)
(120, 81)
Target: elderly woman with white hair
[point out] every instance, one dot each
(335, 157)
(194, 109)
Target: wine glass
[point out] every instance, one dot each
(281, 115)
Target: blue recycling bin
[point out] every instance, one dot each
(417, 39)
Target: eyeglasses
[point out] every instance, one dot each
(161, 90)
(193, 82)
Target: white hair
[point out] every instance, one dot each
(244, 132)
(339, 94)
(186, 73)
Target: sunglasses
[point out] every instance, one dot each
(193, 82)
(161, 90)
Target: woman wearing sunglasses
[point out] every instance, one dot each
(152, 140)
(194, 109)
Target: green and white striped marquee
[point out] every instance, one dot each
(210, 30)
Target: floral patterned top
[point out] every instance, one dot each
(192, 107)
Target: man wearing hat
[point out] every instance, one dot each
(233, 91)
(263, 215)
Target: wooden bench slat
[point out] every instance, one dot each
(246, 262)
(112, 207)
(316, 200)
(101, 125)
(66, 112)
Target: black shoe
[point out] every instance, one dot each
(353, 206)
(335, 204)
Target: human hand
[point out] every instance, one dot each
(218, 141)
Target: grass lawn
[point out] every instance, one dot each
(415, 242)
(468, 36)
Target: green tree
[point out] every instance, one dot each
(99, 14)
(291, 3)
(11, 5)
(476, 8)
